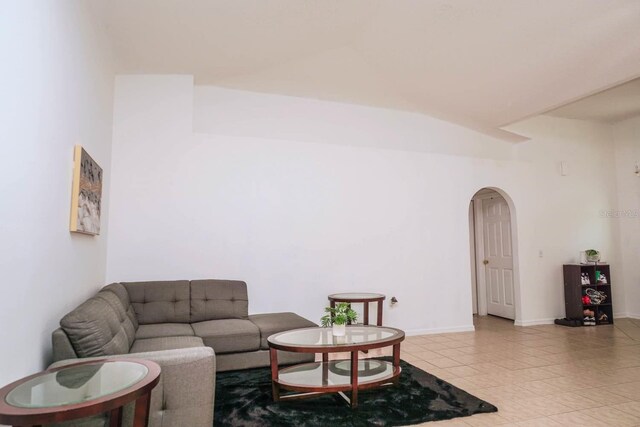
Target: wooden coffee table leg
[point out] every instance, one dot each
(379, 313)
(366, 313)
(273, 355)
(325, 369)
(115, 417)
(141, 415)
(396, 360)
(365, 320)
(354, 379)
(396, 355)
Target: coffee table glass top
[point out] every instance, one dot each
(323, 337)
(355, 296)
(76, 384)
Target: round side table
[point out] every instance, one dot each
(81, 390)
(363, 297)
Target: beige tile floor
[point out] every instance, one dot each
(539, 375)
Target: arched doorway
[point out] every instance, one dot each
(494, 268)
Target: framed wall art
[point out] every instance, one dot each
(86, 200)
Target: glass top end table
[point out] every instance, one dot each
(80, 390)
(76, 384)
(360, 297)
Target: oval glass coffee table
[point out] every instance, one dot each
(81, 390)
(336, 376)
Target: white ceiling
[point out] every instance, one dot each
(610, 106)
(479, 63)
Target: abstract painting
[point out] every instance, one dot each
(87, 193)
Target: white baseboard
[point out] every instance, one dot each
(431, 331)
(534, 322)
(626, 314)
(471, 328)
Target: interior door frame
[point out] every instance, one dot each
(478, 230)
(481, 283)
(472, 256)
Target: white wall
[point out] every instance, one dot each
(562, 213)
(626, 213)
(57, 91)
(250, 114)
(302, 198)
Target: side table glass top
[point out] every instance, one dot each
(323, 337)
(76, 384)
(346, 296)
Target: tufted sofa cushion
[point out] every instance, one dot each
(125, 322)
(98, 327)
(160, 302)
(218, 299)
(121, 292)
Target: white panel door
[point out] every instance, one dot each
(498, 257)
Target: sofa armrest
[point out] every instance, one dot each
(186, 391)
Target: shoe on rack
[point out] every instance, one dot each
(568, 322)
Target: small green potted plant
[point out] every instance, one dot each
(592, 255)
(338, 317)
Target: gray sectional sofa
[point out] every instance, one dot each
(191, 328)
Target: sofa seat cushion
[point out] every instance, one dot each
(165, 343)
(228, 335)
(272, 323)
(164, 330)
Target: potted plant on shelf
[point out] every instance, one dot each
(338, 317)
(592, 255)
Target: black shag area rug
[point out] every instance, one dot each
(243, 398)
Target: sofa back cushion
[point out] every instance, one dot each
(218, 299)
(117, 306)
(160, 302)
(98, 327)
(123, 295)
